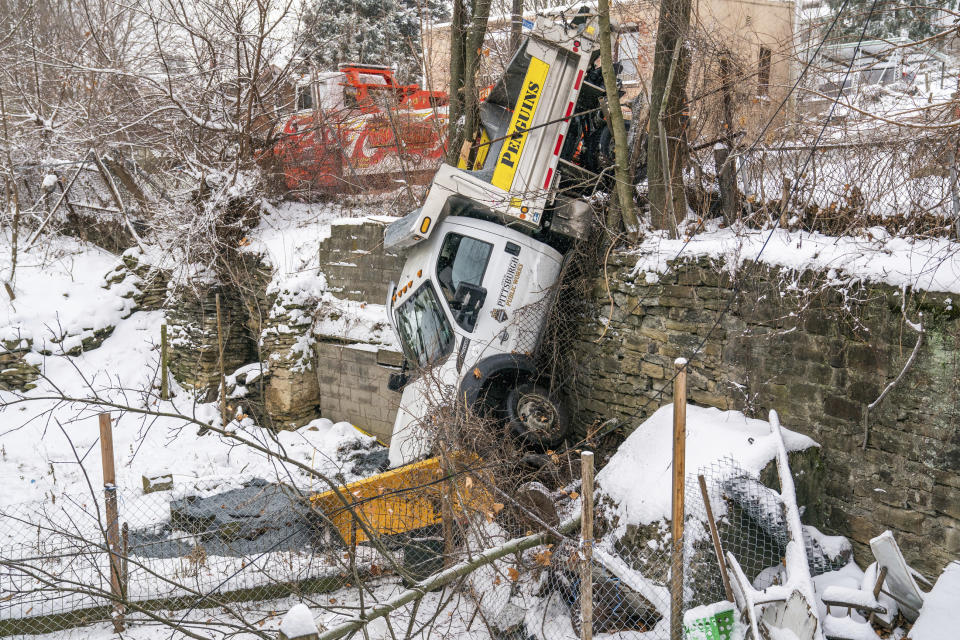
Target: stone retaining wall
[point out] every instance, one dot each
(818, 358)
(194, 350)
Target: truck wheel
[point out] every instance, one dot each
(535, 417)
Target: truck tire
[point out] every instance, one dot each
(535, 417)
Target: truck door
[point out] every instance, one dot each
(461, 266)
(512, 281)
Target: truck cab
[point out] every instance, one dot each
(469, 308)
(482, 251)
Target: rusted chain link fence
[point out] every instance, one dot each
(184, 554)
(897, 181)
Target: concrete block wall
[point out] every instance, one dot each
(352, 379)
(817, 358)
(353, 386)
(355, 264)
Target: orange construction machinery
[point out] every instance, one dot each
(358, 128)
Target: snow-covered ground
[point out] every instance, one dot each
(50, 463)
(441, 615)
(60, 291)
(60, 295)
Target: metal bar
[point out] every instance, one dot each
(715, 535)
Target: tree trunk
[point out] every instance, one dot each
(624, 185)
(475, 36)
(727, 180)
(666, 111)
(12, 200)
(726, 169)
(457, 39)
(516, 25)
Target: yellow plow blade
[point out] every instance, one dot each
(402, 500)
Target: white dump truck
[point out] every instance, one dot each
(484, 252)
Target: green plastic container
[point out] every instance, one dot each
(710, 622)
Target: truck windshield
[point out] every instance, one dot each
(424, 330)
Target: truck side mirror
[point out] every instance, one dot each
(397, 381)
(467, 302)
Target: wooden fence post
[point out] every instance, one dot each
(679, 475)
(785, 203)
(223, 379)
(586, 531)
(715, 535)
(164, 385)
(113, 526)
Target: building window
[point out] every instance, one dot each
(763, 76)
(628, 54)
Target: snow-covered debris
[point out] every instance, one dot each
(901, 578)
(799, 614)
(288, 239)
(939, 611)
(847, 578)
(288, 236)
(928, 264)
(298, 622)
(848, 627)
(643, 460)
(854, 597)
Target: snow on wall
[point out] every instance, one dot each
(927, 264)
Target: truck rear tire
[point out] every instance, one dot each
(535, 417)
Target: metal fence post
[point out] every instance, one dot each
(164, 385)
(679, 475)
(586, 532)
(113, 525)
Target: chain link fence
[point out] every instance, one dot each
(883, 182)
(899, 183)
(186, 553)
(254, 542)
